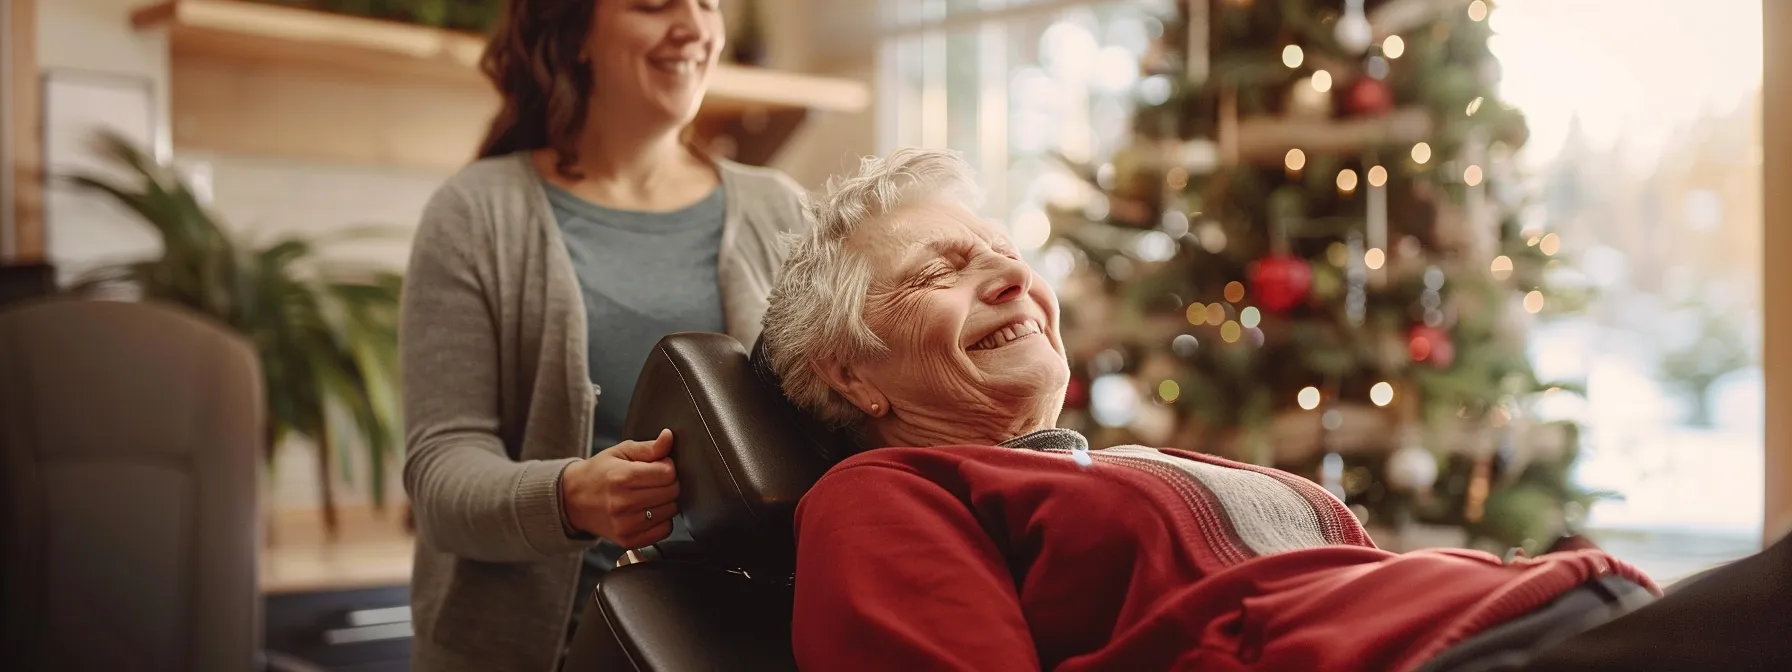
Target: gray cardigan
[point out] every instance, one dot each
(497, 401)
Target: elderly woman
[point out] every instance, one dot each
(971, 535)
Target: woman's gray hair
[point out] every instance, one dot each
(817, 311)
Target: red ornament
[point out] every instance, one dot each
(1431, 345)
(1281, 281)
(1369, 97)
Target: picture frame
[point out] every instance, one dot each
(81, 229)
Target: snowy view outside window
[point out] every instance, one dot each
(1645, 155)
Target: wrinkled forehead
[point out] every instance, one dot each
(899, 242)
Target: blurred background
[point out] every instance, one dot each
(1492, 272)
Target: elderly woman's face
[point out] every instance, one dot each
(972, 329)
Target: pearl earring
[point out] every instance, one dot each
(875, 408)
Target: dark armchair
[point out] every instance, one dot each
(130, 448)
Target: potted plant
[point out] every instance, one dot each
(326, 334)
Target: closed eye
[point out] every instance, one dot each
(937, 274)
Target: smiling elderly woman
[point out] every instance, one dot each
(968, 534)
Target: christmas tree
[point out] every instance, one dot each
(1311, 256)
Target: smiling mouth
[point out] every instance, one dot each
(676, 66)
(1008, 335)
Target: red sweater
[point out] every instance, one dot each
(988, 558)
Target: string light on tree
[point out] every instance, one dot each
(1471, 176)
(1382, 393)
(1477, 10)
(1393, 47)
(1533, 302)
(1250, 317)
(1550, 244)
(1292, 56)
(1374, 257)
(1185, 345)
(1421, 153)
(1321, 81)
(1308, 397)
(1295, 160)
(1502, 267)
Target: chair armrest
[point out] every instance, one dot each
(672, 616)
(675, 551)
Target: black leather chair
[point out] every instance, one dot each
(745, 456)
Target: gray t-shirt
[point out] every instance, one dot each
(643, 275)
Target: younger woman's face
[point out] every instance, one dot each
(651, 59)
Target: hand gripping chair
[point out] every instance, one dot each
(745, 456)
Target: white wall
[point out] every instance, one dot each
(94, 38)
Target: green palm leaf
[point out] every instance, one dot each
(326, 334)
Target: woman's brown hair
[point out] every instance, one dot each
(536, 60)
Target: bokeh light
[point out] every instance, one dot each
(1533, 302)
(1374, 257)
(1502, 267)
(1185, 345)
(1393, 47)
(1382, 393)
(1322, 81)
(1234, 291)
(1295, 160)
(1168, 390)
(1230, 331)
(1550, 244)
(1292, 56)
(1421, 153)
(1250, 317)
(1308, 397)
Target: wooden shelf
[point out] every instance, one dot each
(272, 80)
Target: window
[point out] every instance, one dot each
(1008, 83)
(1645, 158)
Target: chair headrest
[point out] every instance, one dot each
(745, 455)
